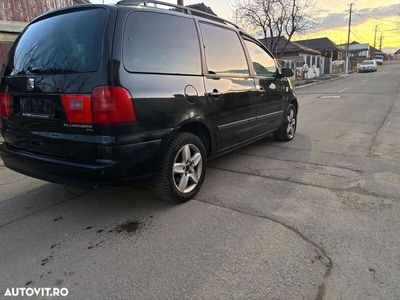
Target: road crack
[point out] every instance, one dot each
(371, 150)
(321, 256)
(356, 189)
(243, 153)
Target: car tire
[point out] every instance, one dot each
(287, 131)
(182, 168)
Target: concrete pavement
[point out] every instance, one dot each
(317, 218)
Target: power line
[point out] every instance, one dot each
(230, 4)
(324, 25)
(392, 30)
(376, 19)
(359, 37)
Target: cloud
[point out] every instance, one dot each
(385, 11)
(341, 19)
(334, 20)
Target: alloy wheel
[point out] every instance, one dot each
(187, 169)
(291, 127)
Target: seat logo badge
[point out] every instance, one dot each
(30, 85)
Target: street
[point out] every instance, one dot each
(316, 218)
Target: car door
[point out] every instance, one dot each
(230, 88)
(271, 99)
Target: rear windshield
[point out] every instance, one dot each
(67, 43)
(369, 62)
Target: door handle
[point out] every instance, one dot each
(261, 90)
(215, 94)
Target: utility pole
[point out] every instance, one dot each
(348, 38)
(380, 42)
(376, 29)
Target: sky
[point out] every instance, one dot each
(332, 20)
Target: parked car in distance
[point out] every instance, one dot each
(368, 66)
(379, 58)
(96, 95)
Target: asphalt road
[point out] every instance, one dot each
(316, 218)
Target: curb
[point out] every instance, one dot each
(320, 82)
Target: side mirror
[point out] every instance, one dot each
(286, 72)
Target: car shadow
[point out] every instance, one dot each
(225, 174)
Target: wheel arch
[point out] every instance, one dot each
(199, 128)
(295, 103)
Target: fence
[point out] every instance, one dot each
(308, 67)
(4, 47)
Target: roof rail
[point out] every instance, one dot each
(184, 9)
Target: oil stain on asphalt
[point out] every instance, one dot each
(130, 227)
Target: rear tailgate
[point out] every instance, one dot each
(63, 53)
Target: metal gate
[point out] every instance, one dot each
(327, 65)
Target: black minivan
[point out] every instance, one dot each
(96, 95)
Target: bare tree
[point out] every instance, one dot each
(277, 18)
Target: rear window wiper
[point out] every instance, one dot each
(51, 70)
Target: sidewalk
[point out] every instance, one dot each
(317, 80)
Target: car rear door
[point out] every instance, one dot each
(230, 89)
(271, 97)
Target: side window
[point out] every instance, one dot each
(263, 63)
(161, 43)
(224, 52)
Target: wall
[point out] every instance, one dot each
(4, 47)
(15, 14)
(26, 10)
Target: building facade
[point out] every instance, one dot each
(307, 63)
(358, 52)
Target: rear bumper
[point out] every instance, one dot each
(89, 175)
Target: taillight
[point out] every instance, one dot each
(5, 104)
(77, 108)
(111, 105)
(106, 105)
